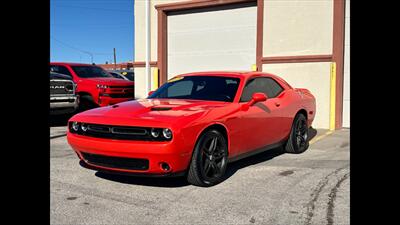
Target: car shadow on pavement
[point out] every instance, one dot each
(171, 182)
(167, 182)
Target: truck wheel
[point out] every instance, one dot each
(85, 103)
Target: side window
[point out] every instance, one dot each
(273, 88)
(262, 84)
(182, 88)
(60, 69)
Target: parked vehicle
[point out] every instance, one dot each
(63, 99)
(195, 124)
(118, 75)
(96, 87)
(126, 73)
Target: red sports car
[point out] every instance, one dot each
(194, 125)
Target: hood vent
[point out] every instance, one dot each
(160, 108)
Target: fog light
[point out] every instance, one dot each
(167, 133)
(75, 126)
(84, 127)
(165, 166)
(155, 133)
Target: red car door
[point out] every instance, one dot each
(261, 124)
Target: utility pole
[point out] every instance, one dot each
(115, 60)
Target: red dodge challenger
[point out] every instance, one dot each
(194, 125)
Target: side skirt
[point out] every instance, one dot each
(256, 151)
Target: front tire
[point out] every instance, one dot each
(298, 140)
(86, 102)
(209, 160)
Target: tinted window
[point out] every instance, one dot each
(211, 88)
(265, 85)
(60, 69)
(90, 71)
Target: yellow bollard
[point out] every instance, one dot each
(155, 79)
(332, 113)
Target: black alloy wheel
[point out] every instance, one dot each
(301, 133)
(209, 161)
(298, 140)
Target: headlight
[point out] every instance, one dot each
(75, 126)
(155, 132)
(101, 86)
(167, 133)
(84, 127)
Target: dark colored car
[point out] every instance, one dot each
(63, 99)
(118, 75)
(126, 73)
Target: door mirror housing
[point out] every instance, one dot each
(257, 97)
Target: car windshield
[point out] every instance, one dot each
(90, 71)
(209, 88)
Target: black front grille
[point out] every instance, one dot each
(59, 87)
(116, 162)
(129, 87)
(123, 95)
(118, 132)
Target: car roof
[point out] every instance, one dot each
(243, 74)
(71, 64)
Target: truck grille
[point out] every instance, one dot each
(61, 87)
(116, 162)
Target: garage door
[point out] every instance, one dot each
(221, 38)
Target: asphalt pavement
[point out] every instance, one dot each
(268, 188)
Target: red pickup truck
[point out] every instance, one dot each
(95, 86)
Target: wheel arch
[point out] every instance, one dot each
(219, 127)
(302, 111)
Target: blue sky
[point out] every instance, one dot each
(79, 28)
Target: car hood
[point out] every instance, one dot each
(149, 112)
(109, 81)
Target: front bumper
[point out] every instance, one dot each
(156, 153)
(63, 104)
(105, 101)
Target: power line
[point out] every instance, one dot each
(93, 8)
(80, 50)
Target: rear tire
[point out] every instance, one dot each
(298, 140)
(209, 160)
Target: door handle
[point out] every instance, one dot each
(277, 104)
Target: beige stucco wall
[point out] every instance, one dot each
(297, 27)
(140, 35)
(313, 76)
(140, 41)
(291, 27)
(346, 82)
(140, 90)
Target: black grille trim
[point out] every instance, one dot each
(116, 162)
(131, 86)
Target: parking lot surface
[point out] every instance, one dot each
(268, 188)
